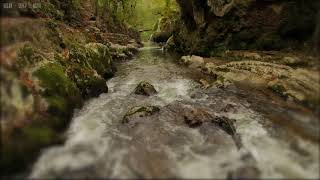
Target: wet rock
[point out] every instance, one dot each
(226, 124)
(145, 88)
(123, 52)
(208, 68)
(228, 108)
(247, 172)
(192, 61)
(222, 82)
(170, 45)
(139, 112)
(204, 83)
(196, 116)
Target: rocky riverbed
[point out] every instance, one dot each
(184, 130)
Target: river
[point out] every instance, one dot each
(164, 146)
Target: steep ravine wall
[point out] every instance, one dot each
(207, 27)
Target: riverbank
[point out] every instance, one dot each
(49, 67)
(183, 129)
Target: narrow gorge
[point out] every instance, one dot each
(149, 89)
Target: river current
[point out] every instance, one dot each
(163, 145)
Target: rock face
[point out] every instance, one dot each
(301, 85)
(145, 88)
(226, 124)
(208, 27)
(139, 112)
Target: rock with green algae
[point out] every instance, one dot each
(94, 56)
(139, 112)
(145, 88)
(89, 83)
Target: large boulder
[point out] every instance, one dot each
(94, 56)
(145, 88)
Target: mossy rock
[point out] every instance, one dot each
(139, 112)
(90, 84)
(61, 92)
(145, 88)
(95, 56)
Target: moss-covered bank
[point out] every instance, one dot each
(53, 58)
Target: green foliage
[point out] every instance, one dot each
(147, 12)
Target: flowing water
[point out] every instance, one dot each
(163, 145)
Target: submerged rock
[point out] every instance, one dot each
(226, 124)
(247, 172)
(196, 116)
(139, 112)
(145, 88)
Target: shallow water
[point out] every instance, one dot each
(99, 145)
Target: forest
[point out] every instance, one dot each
(160, 89)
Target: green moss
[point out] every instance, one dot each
(38, 136)
(61, 93)
(141, 111)
(280, 90)
(94, 56)
(54, 80)
(88, 83)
